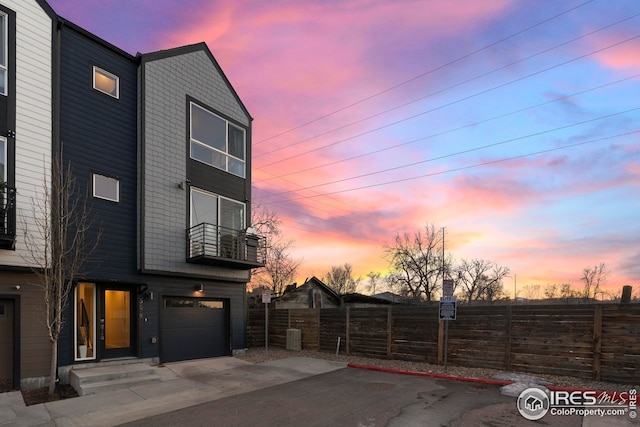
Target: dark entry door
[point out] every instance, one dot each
(117, 323)
(6, 344)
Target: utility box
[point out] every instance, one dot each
(294, 339)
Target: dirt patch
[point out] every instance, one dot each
(41, 395)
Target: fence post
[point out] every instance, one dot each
(440, 342)
(507, 347)
(347, 332)
(318, 326)
(597, 341)
(389, 319)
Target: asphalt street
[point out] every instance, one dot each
(362, 398)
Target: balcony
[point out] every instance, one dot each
(219, 246)
(7, 218)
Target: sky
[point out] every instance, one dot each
(514, 124)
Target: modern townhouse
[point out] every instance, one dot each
(159, 146)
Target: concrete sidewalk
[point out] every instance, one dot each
(183, 384)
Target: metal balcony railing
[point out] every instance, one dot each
(215, 245)
(7, 217)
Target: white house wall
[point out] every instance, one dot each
(33, 117)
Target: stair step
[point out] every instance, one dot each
(111, 385)
(114, 377)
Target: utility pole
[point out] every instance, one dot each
(442, 254)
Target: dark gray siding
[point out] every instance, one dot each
(99, 135)
(167, 286)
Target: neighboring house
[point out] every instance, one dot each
(26, 138)
(313, 293)
(160, 146)
(363, 301)
(393, 298)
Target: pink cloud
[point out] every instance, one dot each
(621, 58)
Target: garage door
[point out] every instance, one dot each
(6, 345)
(194, 328)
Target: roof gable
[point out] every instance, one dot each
(184, 50)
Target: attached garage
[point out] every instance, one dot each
(194, 328)
(6, 345)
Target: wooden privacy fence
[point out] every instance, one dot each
(599, 341)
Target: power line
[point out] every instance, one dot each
(425, 73)
(448, 131)
(471, 166)
(288, 146)
(455, 102)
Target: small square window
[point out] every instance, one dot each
(106, 188)
(106, 82)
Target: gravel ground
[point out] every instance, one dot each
(258, 355)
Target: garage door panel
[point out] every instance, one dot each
(194, 329)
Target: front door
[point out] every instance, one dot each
(117, 323)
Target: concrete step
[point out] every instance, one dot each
(107, 378)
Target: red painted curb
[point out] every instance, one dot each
(432, 375)
(616, 396)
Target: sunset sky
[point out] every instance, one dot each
(515, 124)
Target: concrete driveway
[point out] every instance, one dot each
(362, 398)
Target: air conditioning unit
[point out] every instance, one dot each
(294, 339)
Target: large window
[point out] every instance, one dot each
(4, 48)
(216, 210)
(85, 325)
(217, 224)
(217, 142)
(106, 82)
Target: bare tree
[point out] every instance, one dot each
(58, 246)
(532, 291)
(280, 267)
(374, 277)
(551, 290)
(593, 279)
(480, 280)
(566, 292)
(418, 263)
(340, 279)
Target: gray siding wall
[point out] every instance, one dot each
(167, 82)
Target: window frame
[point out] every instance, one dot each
(4, 65)
(107, 74)
(219, 200)
(229, 159)
(96, 196)
(4, 152)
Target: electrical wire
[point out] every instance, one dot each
(440, 67)
(422, 98)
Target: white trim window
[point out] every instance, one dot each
(106, 82)
(105, 187)
(4, 51)
(217, 142)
